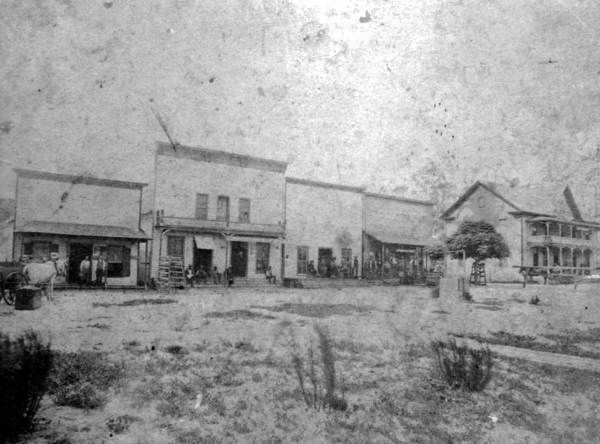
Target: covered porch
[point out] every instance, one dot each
(561, 259)
(387, 256)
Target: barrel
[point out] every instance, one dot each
(28, 298)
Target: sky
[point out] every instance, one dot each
(415, 97)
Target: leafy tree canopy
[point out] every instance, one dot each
(437, 251)
(479, 240)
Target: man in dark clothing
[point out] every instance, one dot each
(189, 276)
(101, 267)
(355, 268)
(229, 276)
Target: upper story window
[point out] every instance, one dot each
(201, 206)
(223, 208)
(244, 208)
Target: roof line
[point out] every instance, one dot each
(217, 156)
(398, 198)
(75, 179)
(316, 183)
(468, 194)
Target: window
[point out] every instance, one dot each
(223, 208)
(118, 258)
(347, 256)
(538, 229)
(244, 207)
(40, 250)
(262, 256)
(302, 260)
(201, 206)
(175, 246)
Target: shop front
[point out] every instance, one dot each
(109, 254)
(388, 257)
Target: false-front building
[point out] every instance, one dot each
(544, 229)
(61, 216)
(218, 209)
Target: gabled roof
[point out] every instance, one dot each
(469, 192)
(543, 200)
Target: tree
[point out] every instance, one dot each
(436, 251)
(479, 241)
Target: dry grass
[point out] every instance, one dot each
(232, 380)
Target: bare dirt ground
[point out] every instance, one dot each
(215, 365)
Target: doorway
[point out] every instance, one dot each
(239, 258)
(203, 259)
(77, 253)
(324, 264)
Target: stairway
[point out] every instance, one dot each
(171, 273)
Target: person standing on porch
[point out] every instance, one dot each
(101, 267)
(189, 276)
(84, 271)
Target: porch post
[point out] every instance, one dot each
(560, 258)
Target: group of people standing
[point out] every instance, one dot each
(328, 267)
(93, 272)
(205, 275)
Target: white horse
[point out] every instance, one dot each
(45, 274)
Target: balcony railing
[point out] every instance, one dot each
(559, 241)
(221, 226)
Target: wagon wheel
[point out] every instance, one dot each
(13, 281)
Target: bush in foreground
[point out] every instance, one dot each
(25, 362)
(462, 366)
(80, 379)
(322, 389)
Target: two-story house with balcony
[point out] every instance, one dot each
(218, 209)
(543, 227)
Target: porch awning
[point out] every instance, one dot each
(88, 230)
(266, 240)
(396, 238)
(204, 242)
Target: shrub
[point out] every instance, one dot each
(25, 362)
(80, 379)
(462, 366)
(534, 300)
(323, 387)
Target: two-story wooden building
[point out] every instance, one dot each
(218, 209)
(324, 223)
(68, 216)
(543, 228)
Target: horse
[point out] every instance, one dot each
(44, 274)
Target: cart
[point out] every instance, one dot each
(11, 278)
